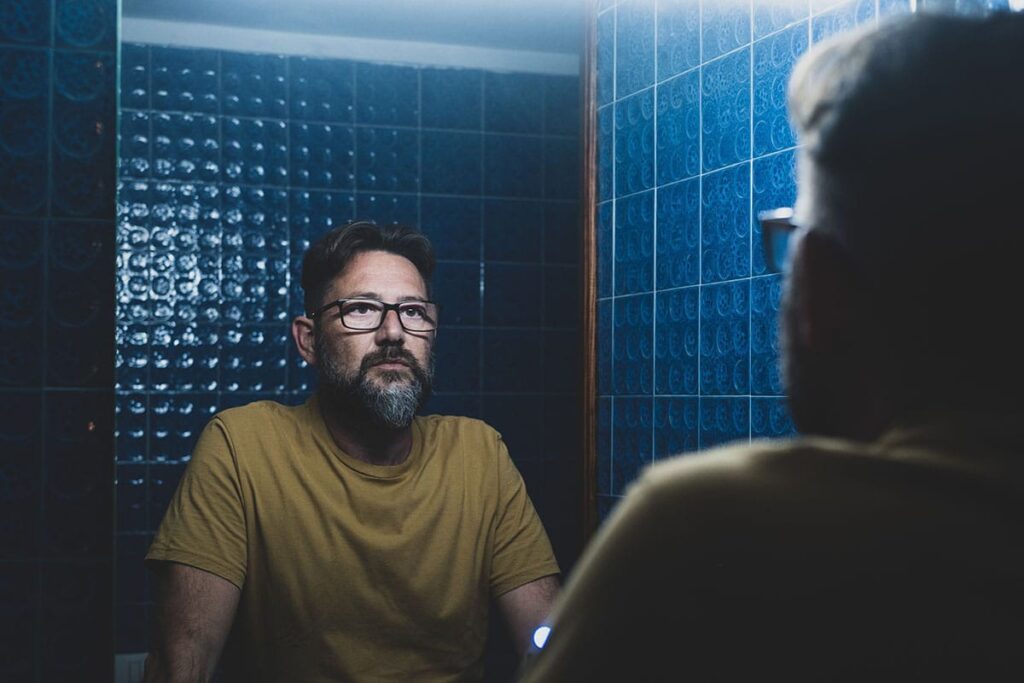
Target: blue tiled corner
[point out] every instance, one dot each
(725, 339)
(452, 98)
(451, 162)
(633, 345)
(677, 325)
(774, 58)
(634, 423)
(679, 128)
(774, 187)
(679, 234)
(634, 244)
(765, 296)
(678, 37)
(676, 426)
(725, 228)
(634, 143)
(725, 91)
(634, 47)
(723, 420)
(725, 27)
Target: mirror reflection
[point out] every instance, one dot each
(334, 535)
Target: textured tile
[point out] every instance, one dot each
(321, 155)
(725, 224)
(725, 339)
(774, 187)
(605, 248)
(679, 234)
(451, 162)
(769, 418)
(254, 85)
(513, 361)
(765, 295)
(677, 325)
(634, 144)
(676, 426)
(633, 345)
(184, 79)
(635, 35)
(725, 26)
(387, 160)
(679, 128)
(457, 290)
(605, 58)
(774, 58)
(773, 15)
(725, 123)
(634, 244)
(321, 90)
(387, 95)
(634, 424)
(452, 98)
(605, 153)
(513, 103)
(562, 105)
(513, 230)
(513, 295)
(513, 166)
(678, 37)
(723, 420)
(454, 226)
(841, 19)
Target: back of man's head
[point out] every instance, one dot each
(912, 139)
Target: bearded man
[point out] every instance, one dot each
(347, 539)
(884, 544)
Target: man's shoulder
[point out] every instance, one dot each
(260, 416)
(456, 427)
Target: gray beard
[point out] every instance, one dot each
(391, 406)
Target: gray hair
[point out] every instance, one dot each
(910, 136)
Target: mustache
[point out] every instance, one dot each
(389, 354)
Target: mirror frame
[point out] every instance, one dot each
(588, 270)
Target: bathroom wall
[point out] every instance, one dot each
(693, 141)
(57, 128)
(231, 163)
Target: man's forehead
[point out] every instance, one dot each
(379, 272)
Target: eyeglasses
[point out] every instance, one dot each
(368, 314)
(777, 226)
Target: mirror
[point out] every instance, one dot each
(249, 128)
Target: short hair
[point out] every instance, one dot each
(328, 257)
(909, 136)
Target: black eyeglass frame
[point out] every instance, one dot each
(773, 223)
(397, 308)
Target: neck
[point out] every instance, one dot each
(361, 439)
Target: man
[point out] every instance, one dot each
(886, 544)
(347, 539)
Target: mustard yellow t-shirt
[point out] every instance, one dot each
(351, 571)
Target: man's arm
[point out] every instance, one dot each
(525, 607)
(195, 610)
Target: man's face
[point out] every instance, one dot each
(386, 372)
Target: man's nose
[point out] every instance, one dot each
(390, 328)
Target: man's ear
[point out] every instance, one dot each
(829, 303)
(304, 336)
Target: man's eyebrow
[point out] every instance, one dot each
(376, 296)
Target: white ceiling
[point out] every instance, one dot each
(535, 25)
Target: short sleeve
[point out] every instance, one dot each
(522, 551)
(204, 526)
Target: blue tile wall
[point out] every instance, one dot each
(692, 141)
(232, 164)
(57, 176)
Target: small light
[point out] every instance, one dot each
(540, 636)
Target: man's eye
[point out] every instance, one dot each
(414, 311)
(360, 309)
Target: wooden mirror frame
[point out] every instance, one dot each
(588, 271)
